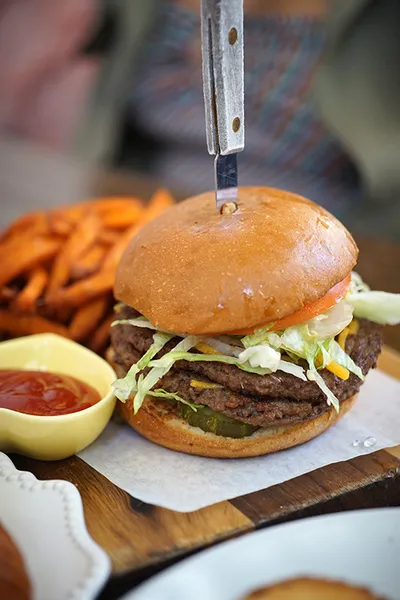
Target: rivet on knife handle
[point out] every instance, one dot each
(223, 74)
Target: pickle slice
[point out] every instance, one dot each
(217, 423)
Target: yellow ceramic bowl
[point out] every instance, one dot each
(53, 438)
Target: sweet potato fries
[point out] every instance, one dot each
(57, 268)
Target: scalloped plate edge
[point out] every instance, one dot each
(100, 564)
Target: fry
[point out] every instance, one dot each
(62, 314)
(101, 206)
(160, 201)
(18, 239)
(109, 237)
(74, 212)
(82, 291)
(23, 224)
(80, 240)
(7, 294)
(26, 300)
(27, 257)
(58, 267)
(116, 252)
(87, 317)
(114, 204)
(121, 219)
(101, 336)
(59, 225)
(89, 262)
(18, 324)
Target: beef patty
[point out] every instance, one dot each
(278, 398)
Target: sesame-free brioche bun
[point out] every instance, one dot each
(158, 421)
(193, 270)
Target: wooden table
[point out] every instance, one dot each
(141, 538)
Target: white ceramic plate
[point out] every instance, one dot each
(360, 547)
(45, 519)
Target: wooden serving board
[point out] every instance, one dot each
(141, 539)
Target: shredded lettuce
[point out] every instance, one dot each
(379, 307)
(299, 341)
(261, 355)
(141, 386)
(331, 323)
(176, 355)
(264, 359)
(223, 347)
(292, 357)
(327, 325)
(357, 284)
(172, 396)
(145, 384)
(123, 387)
(273, 339)
(258, 337)
(293, 369)
(136, 322)
(313, 375)
(284, 365)
(230, 360)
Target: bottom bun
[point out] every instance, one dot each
(158, 422)
(311, 589)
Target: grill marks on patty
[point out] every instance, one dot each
(278, 398)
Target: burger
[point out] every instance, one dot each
(243, 333)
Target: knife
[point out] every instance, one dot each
(223, 88)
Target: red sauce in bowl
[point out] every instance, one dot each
(43, 393)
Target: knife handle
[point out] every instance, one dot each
(223, 74)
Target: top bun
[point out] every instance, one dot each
(192, 270)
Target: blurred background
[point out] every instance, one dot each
(116, 85)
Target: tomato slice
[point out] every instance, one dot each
(309, 311)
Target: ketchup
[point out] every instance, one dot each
(44, 394)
